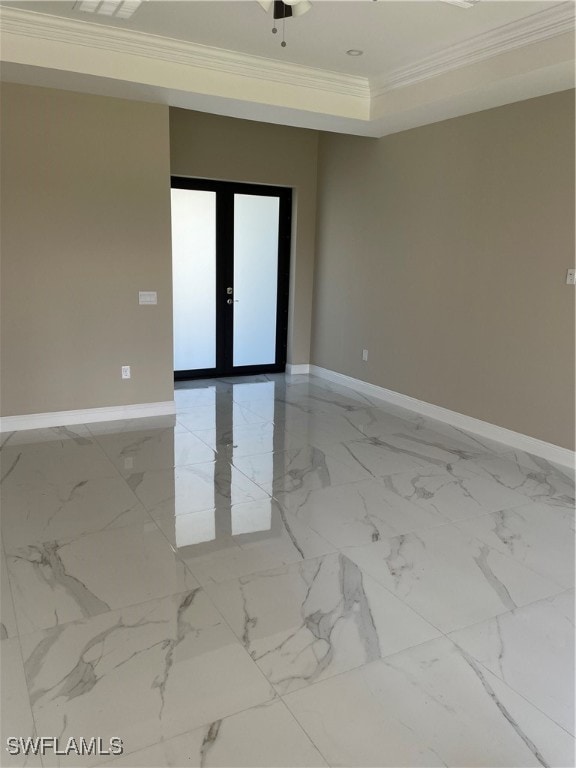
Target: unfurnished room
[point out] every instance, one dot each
(287, 383)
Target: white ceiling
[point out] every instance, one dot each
(391, 34)
(424, 60)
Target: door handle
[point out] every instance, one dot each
(231, 301)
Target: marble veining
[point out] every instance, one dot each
(286, 573)
(310, 620)
(241, 540)
(8, 627)
(54, 583)
(295, 470)
(15, 708)
(53, 462)
(194, 488)
(358, 513)
(541, 536)
(67, 511)
(430, 706)
(536, 479)
(423, 569)
(393, 454)
(263, 736)
(455, 493)
(149, 672)
(531, 649)
(139, 451)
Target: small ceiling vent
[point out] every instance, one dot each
(462, 3)
(118, 9)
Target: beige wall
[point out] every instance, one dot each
(85, 209)
(209, 146)
(444, 250)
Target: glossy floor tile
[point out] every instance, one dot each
(432, 705)
(67, 511)
(40, 465)
(456, 493)
(79, 433)
(392, 454)
(203, 416)
(54, 583)
(541, 536)
(536, 479)
(262, 736)
(358, 513)
(16, 713)
(285, 573)
(8, 626)
(312, 620)
(244, 539)
(532, 650)
(302, 469)
(194, 488)
(143, 450)
(147, 673)
(451, 579)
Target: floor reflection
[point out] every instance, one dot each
(285, 542)
(220, 415)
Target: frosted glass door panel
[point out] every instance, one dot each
(194, 278)
(256, 220)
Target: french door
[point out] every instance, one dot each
(230, 274)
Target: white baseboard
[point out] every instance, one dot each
(515, 440)
(88, 416)
(293, 370)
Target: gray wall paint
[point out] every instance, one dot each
(85, 208)
(444, 250)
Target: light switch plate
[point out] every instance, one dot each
(147, 297)
(571, 277)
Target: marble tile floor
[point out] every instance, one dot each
(285, 573)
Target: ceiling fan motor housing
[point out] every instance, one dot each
(281, 10)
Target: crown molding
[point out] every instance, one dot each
(16, 21)
(551, 22)
(540, 26)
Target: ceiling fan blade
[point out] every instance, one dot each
(298, 6)
(461, 3)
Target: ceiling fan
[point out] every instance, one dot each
(462, 3)
(285, 9)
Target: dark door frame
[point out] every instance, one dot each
(225, 191)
